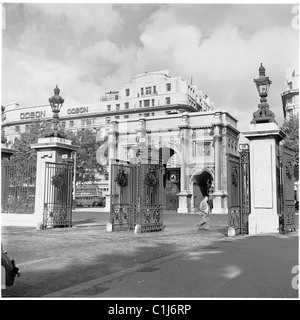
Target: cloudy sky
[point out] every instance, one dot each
(88, 49)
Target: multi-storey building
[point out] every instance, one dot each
(149, 94)
(290, 97)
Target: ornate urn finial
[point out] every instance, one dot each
(262, 71)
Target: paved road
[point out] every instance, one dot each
(242, 267)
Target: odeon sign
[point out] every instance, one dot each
(78, 110)
(32, 115)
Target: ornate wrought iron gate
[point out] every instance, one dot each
(238, 189)
(136, 195)
(147, 199)
(58, 195)
(287, 203)
(122, 190)
(18, 187)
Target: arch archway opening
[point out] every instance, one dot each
(202, 186)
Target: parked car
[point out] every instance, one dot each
(10, 269)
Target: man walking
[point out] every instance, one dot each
(204, 209)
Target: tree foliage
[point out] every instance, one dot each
(87, 167)
(291, 129)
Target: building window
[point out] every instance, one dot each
(107, 120)
(117, 106)
(140, 104)
(152, 114)
(17, 128)
(126, 105)
(48, 124)
(146, 103)
(168, 86)
(109, 107)
(71, 123)
(142, 91)
(63, 124)
(127, 91)
(147, 114)
(203, 149)
(117, 117)
(148, 90)
(88, 122)
(168, 100)
(152, 102)
(126, 116)
(154, 90)
(27, 127)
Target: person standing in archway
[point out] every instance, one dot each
(204, 210)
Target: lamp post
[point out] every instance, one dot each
(56, 102)
(262, 84)
(263, 114)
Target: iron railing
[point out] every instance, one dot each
(18, 184)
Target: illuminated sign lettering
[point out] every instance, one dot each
(32, 115)
(78, 110)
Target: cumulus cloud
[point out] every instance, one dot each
(223, 64)
(82, 17)
(48, 49)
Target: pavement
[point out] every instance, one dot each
(180, 262)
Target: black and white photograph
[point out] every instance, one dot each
(149, 153)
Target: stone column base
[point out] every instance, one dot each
(108, 227)
(264, 222)
(184, 202)
(107, 202)
(217, 203)
(230, 232)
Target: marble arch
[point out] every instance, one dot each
(201, 140)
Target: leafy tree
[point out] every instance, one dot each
(87, 167)
(24, 153)
(291, 129)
